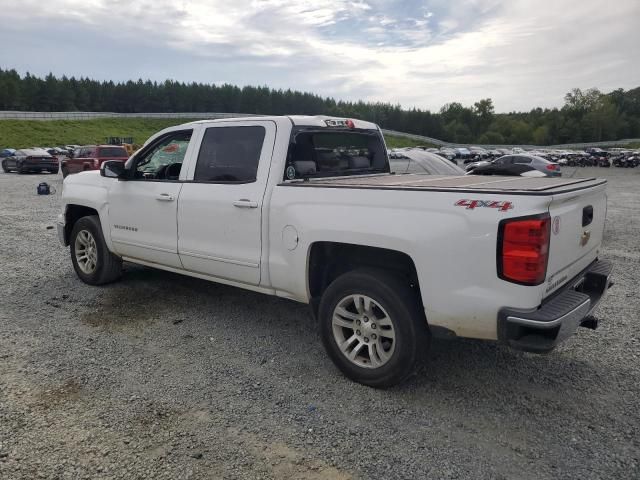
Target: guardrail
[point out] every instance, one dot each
(441, 143)
(20, 115)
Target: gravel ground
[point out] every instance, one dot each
(163, 376)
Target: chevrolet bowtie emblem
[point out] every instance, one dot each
(584, 238)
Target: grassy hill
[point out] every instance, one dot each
(31, 133)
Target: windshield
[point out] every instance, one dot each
(317, 153)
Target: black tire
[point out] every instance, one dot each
(401, 303)
(21, 170)
(65, 172)
(108, 266)
(5, 169)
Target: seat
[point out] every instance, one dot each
(359, 162)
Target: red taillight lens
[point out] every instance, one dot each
(552, 167)
(523, 250)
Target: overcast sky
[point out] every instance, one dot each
(521, 53)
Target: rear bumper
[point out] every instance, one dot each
(558, 317)
(40, 163)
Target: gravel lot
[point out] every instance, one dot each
(163, 376)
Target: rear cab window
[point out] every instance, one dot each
(318, 153)
(522, 160)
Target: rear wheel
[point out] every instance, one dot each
(92, 260)
(372, 327)
(65, 172)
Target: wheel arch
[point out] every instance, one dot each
(326, 261)
(73, 213)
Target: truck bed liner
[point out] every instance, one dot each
(467, 183)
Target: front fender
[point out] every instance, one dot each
(90, 190)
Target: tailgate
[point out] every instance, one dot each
(577, 225)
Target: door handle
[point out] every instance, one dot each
(165, 197)
(244, 203)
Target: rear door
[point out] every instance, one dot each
(220, 210)
(71, 164)
(577, 225)
(77, 162)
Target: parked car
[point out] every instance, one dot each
(90, 157)
(30, 160)
(448, 153)
(480, 152)
(478, 163)
(462, 152)
(7, 152)
(597, 152)
(520, 165)
(56, 151)
(307, 208)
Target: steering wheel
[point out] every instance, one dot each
(172, 171)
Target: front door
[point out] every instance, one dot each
(220, 210)
(143, 208)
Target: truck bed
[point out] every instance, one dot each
(466, 183)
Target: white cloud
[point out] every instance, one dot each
(522, 53)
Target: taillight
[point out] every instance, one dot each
(523, 249)
(552, 166)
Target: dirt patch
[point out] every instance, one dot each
(69, 391)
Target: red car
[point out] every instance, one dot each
(90, 157)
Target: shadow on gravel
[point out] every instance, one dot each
(145, 296)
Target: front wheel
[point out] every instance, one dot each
(93, 262)
(5, 169)
(372, 327)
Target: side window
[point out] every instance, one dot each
(522, 160)
(230, 154)
(163, 159)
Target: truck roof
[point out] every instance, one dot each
(449, 183)
(297, 120)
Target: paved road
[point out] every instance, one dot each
(162, 376)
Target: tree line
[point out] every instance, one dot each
(587, 116)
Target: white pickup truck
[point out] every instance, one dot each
(310, 209)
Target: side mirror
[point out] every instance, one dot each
(112, 169)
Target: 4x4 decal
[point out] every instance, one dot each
(471, 204)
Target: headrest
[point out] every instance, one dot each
(305, 167)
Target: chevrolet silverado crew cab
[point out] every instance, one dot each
(309, 209)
